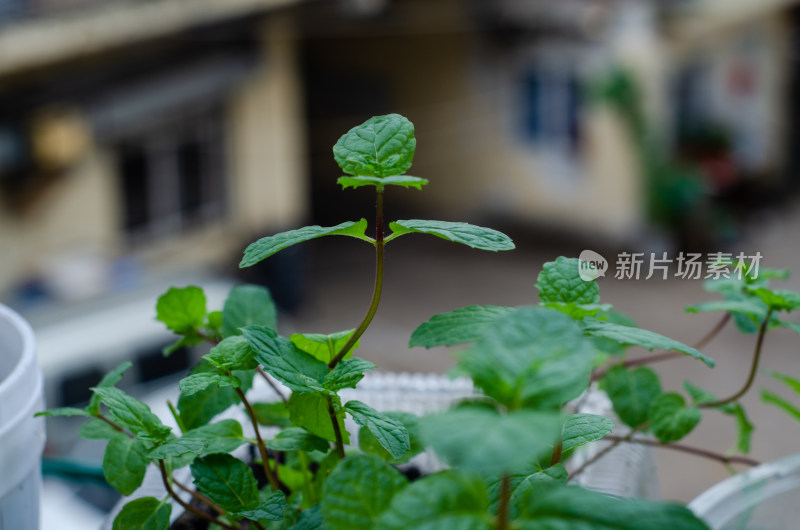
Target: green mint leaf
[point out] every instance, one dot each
(778, 299)
(580, 429)
(214, 320)
(109, 380)
(357, 491)
(298, 439)
(790, 382)
(405, 181)
(283, 360)
(310, 411)
(382, 146)
(471, 235)
(272, 414)
(447, 500)
(190, 338)
(629, 336)
(192, 384)
(700, 396)
(526, 483)
(533, 357)
(368, 443)
(560, 281)
(346, 374)
(232, 353)
(794, 326)
(310, 519)
(221, 437)
(744, 430)
(132, 414)
(324, 347)
(125, 462)
(145, 513)
(248, 305)
(271, 509)
(481, 440)
(63, 411)
(267, 246)
(182, 309)
(227, 481)
(462, 325)
(750, 307)
(199, 408)
(390, 433)
(631, 392)
(97, 430)
(671, 419)
(572, 508)
(178, 447)
(578, 311)
(772, 398)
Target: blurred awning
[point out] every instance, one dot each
(49, 39)
(578, 18)
(136, 105)
(698, 19)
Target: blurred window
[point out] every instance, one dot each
(551, 107)
(172, 179)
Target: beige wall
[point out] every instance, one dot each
(267, 138)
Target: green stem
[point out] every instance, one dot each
(762, 331)
(336, 430)
(308, 493)
(376, 294)
(505, 497)
(176, 417)
(262, 447)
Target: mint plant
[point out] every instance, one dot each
(506, 449)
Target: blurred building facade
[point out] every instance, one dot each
(166, 131)
(175, 130)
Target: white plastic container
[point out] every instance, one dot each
(21, 435)
(765, 497)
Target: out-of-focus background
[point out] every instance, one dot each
(144, 143)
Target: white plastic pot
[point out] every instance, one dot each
(761, 498)
(21, 435)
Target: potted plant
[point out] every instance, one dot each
(506, 449)
(21, 435)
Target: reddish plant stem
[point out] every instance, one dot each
(186, 506)
(262, 447)
(199, 496)
(272, 384)
(691, 450)
(114, 425)
(603, 452)
(505, 497)
(667, 355)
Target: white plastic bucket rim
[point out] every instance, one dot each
(22, 436)
(725, 501)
